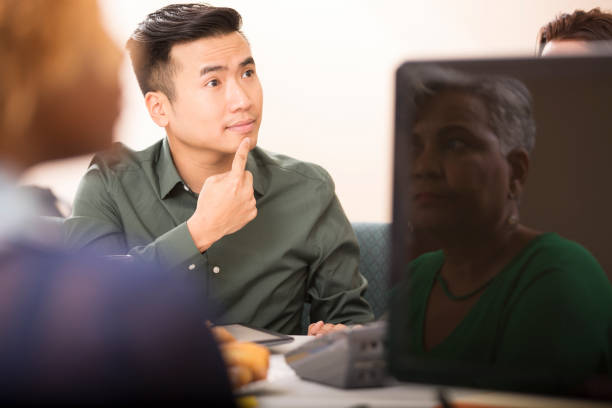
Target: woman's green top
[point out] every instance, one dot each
(551, 306)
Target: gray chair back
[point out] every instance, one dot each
(375, 262)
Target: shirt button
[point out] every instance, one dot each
(191, 267)
(216, 269)
(185, 187)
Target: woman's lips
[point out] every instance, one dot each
(242, 127)
(427, 198)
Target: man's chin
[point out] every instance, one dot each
(252, 140)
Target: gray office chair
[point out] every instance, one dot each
(374, 264)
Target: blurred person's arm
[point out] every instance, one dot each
(246, 362)
(113, 331)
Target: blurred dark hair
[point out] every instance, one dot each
(508, 101)
(592, 25)
(152, 41)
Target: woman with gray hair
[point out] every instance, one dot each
(497, 293)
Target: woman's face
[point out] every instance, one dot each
(460, 178)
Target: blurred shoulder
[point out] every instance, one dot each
(550, 250)
(121, 158)
(551, 261)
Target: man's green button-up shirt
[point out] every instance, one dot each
(300, 247)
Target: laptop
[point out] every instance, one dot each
(568, 191)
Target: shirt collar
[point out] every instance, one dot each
(169, 177)
(166, 171)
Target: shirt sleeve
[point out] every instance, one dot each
(336, 287)
(96, 224)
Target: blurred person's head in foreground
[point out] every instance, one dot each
(579, 33)
(59, 89)
(59, 97)
(78, 328)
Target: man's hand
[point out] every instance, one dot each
(226, 202)
(319, 328)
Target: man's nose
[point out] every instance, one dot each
(238, 97)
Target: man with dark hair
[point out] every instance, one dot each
(577, 33)
(263, 233)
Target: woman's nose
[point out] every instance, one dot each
(426, 162)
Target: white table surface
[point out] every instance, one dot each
(283, 388)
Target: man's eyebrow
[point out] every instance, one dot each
(247, 61)
(206, 70)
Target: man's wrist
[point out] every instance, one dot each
(201, 239)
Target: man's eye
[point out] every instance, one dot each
(212, 83)
(248, 73)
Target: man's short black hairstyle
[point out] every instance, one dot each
(151, 43)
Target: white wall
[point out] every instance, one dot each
(327, 69)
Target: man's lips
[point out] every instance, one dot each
(243, 126)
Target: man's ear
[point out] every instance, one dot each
(158, 106)
(519, 168)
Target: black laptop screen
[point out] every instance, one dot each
(537, 317)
